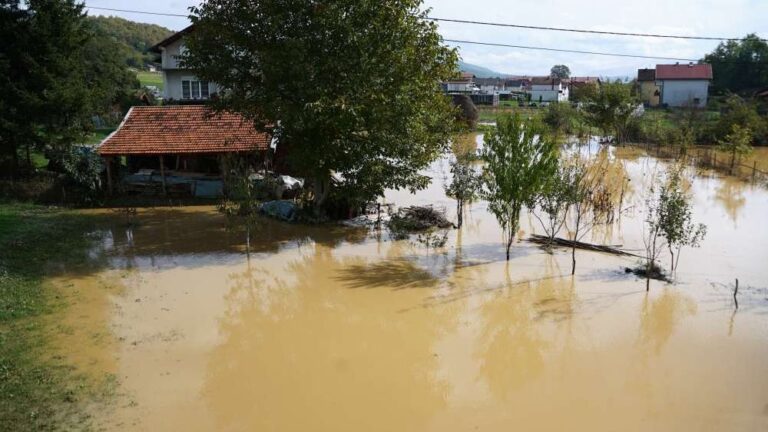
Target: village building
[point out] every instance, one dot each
(179, 149)
(464, 83)
(548, 89)
(650, 94)
(684, 85)
(580, 82)
(180, 84)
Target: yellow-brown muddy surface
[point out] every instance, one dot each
(337, 329)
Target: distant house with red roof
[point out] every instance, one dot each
(184, 141)
(683, 85)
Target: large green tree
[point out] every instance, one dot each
(739, 65)
(350, 86)
(560, 71)
(520, 159)
(610, 108)
(55, 75)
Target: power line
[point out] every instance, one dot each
(568, 50)
(599, 53)
(137, 12)
(573, 30)
(520, 26)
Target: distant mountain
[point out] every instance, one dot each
(133, 38)
(479, 71)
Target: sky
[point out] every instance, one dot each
(721, 18)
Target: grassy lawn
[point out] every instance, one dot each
(98, 135)
(150, 78)
(37, 390)
(489, 114)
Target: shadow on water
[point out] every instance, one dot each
(176, 237)
(399, 273)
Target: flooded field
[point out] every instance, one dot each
(340, 329)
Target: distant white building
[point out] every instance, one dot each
(178, 83)
(546, 89)
(463, 84)
(683, 85)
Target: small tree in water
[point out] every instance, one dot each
(552, 204)
(736, 144)
(668, 221)
(676, 218)
(465, 185)
(519, 160)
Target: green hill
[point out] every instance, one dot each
(479, 71)
(133, 38)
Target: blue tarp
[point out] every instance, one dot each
(283, 210)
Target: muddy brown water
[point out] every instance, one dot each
(339, 329)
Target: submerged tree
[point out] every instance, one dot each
(519, 160)
(736, 144)
(465, 186)
(352, 88)
(550, 206)
(653, 230)
(676, 218)
(668, 222)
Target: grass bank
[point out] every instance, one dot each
(150, 78)
(38, 391)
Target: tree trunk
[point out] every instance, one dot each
(322, 187)
(573, 260)
(672, 260)
(509, 243)
(14, 161)
(459, 213)
(733, 162)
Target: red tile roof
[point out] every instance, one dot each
(684, 71)
(180, 129)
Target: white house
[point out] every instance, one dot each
(463, 84)
(546, 89)
(684, 85)
(180, 84)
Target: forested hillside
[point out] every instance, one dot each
(133, 38)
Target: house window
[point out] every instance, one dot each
(194, 89)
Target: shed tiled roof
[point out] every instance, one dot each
(181, 129)
(684, 71)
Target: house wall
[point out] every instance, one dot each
(648, 93)
(172, 83)
(169, 54)
(548, 93)
(678, 93)
(458, 86)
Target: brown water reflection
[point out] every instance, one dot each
(332, 329)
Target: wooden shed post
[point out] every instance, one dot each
(162, 175)
(108, 164)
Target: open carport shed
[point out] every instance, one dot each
(187, 136)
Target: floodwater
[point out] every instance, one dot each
(340, 329)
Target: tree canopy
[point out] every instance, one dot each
(520, 159)
(55, 74)
(739, 66)
(351, 87)
(131, 39)
(560, 71)
(610, 107)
